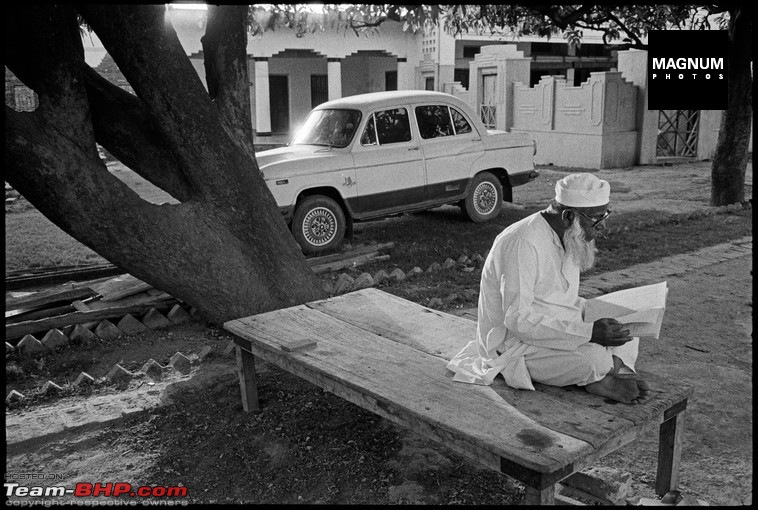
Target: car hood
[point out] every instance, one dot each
(295, 160)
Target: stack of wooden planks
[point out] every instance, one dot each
(355, 257)
(109, 297)
(26, 278)
(80, 303)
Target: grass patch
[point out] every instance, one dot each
(422, 239)
(645, 242)
(31, 241)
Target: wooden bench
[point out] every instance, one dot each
(389, 355)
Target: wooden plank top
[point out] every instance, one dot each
(120, 287)
(392, 353)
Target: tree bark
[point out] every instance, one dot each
(124, 127)
(225, 248)
(731, 155)
(226, 70)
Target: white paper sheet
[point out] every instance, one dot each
(641, 309)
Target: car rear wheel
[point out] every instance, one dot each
(485, 198)
(318, 225)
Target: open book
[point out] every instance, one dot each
(640, 309)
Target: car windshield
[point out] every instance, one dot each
(333, 128)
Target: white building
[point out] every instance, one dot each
(290, 74)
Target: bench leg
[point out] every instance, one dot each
(669, 454)
(534, 496)
(248, 385)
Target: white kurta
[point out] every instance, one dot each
(530, 309)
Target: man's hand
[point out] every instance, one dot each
(609, 333)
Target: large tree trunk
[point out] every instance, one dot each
(730, 159)
(224, 248)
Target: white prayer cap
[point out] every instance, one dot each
(582, 190)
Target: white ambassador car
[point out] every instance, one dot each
(373, 155)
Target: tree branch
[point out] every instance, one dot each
(70, 188)
(631, 33)
(51, 156)
(124, 128)
(358, 25)
(148, 52)
(117, 120)
(561, 20)
(225, 51)
(47, 64)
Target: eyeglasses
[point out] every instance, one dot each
(596, 221)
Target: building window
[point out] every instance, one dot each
(429, 43)
(429, 83)
(319, 89)
(390, 80)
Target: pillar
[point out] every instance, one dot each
(405, 75)
(334, 77)
(262, 98)
(632, 64)
(571, 71)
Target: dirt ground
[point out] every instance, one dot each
(308, 446)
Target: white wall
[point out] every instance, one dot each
(298, 72)
(365, 74)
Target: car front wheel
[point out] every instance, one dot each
(485, 198)
(318, 225)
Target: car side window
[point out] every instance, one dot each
(434, 121)
(459, 121)
(369, 134)
(392, 126)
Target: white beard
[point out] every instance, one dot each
(578, 248)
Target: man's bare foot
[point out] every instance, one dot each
(627, 390)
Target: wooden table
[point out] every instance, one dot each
(388, 355)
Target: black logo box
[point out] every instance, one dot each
(687, 69)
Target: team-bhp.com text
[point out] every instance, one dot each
(92, 490)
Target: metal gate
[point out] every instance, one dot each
(677, 133)
(488, 109)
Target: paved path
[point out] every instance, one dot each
(47, 421)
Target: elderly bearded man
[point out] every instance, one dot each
(530, 325)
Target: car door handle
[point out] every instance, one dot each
(476, 139)
(413, 148)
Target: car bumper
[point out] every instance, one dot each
(523, 178)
